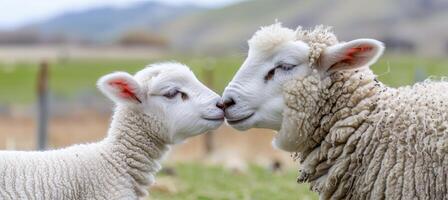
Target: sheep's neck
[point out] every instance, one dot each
(315, 106)
(357, 139)
(138, 145)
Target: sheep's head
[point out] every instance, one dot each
(278, 54)
(171, 93)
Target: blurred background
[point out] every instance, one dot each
(52, 53)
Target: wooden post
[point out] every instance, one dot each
(42, 118)
(209, 80)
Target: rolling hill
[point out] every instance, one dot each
(415, 26)
(107, 23)
(402, 24)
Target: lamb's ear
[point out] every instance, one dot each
(121, 87)
(351, 55)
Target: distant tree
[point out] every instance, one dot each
(142, 38)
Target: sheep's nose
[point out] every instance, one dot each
(220, 105)
(228, 102)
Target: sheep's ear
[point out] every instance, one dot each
(121, 87)
(351, 55)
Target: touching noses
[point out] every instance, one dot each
(226, 102)
(220, 105)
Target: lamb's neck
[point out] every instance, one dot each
(139, 143)
(316, 107)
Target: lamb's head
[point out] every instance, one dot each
(277, 55)
(171, 93)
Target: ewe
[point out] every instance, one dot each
(355, 138)
(161, 105)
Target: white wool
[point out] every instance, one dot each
(119, 167)
(174, 69)
(272, 36)
(269, 37)
(358, 139)
(318, 39)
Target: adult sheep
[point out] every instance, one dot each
(161, 105)
(354, 137)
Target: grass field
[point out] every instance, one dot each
(199, 182)
(69, 78)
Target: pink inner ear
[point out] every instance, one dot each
(125, 90)
(353, 52)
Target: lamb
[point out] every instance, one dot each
(161, 105)
(354, 137)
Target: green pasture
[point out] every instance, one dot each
(201, 182)
(70, 77)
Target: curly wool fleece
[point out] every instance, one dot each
(358, 139)
(119, 167)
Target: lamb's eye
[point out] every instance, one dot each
(171, 94)
(286, 67)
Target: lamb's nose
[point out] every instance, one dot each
(228, 102)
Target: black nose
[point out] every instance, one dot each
(228, 102)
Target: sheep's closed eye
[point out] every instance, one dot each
(282, 66)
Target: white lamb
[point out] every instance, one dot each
(161, 105)
(355, 138)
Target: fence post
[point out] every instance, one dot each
(208, 70)
(42, 93)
